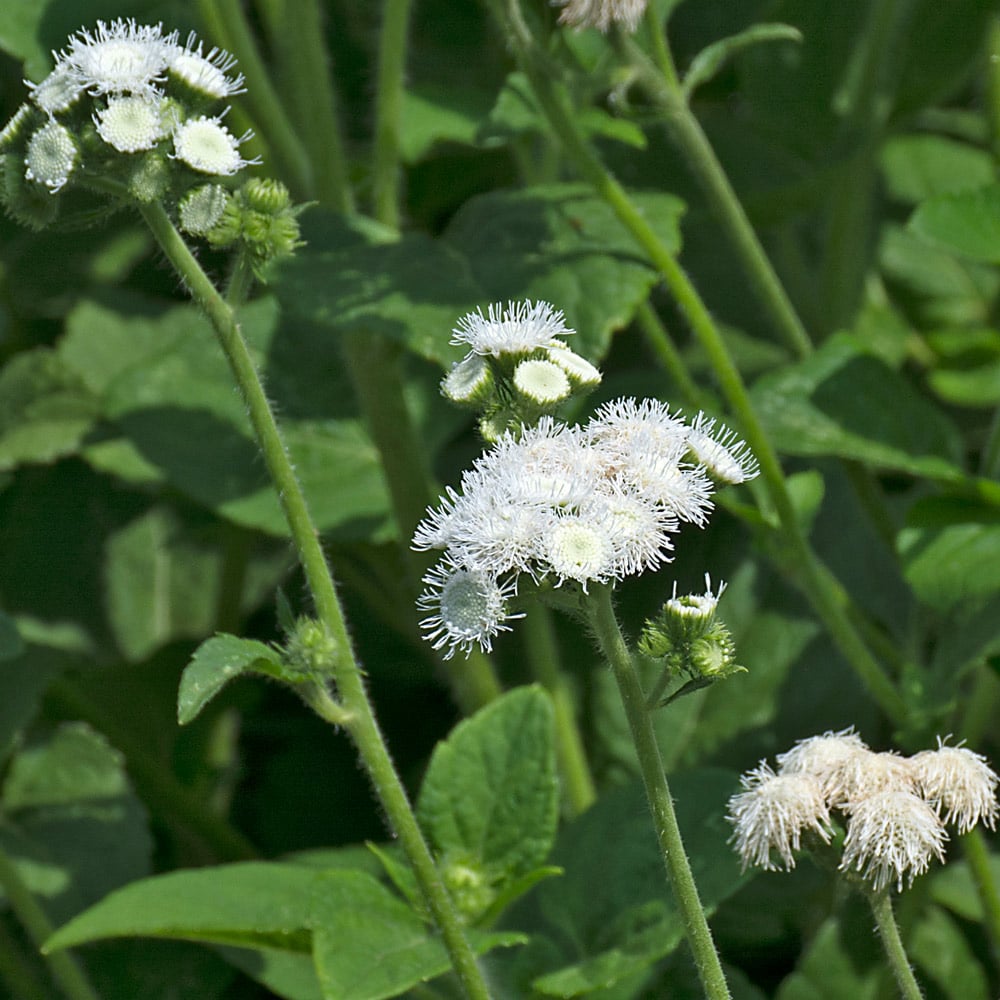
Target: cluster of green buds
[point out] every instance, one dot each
(518, 369)
(691, 642)
(130, 114)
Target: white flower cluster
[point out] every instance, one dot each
(895, 808)
(520, 343)
(140, 88)
(566, 503)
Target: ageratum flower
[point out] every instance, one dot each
(601, 14)
(959, 783)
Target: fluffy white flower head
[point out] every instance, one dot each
(469, 608)
(518, 328)
(723, 454)
(204, 72)
(51, 156)
(576, 549)
(601, 14)
(771, 814)
(892, 835)
(206, 145)
(118, 58)
(960, 783)
(827, 758)
(132, 123)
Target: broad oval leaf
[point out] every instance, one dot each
(967, 223)
(215, 663)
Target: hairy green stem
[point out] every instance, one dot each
(542, 650)
(977, 856)
(225, 21)
(665, 90)
(354, 709)
(814, 580)
(65, 969)
(604, 624)
(389, 110)
(666, 353)
(885, 920)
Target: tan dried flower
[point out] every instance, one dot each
(959, 783)
(601, 14)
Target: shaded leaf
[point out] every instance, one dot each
(827, 971)
(967, 223)
(919, 166)
(845, 401)
(941, 953)
(707, 63)
(215, 663)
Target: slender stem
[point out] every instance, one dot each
(612, 644)
(666, 352)
(16, 973)
(828, 600)
(687, 132)
(354, 709)
(885, 920)
(542, 649)
(978, 859)
(65, 969)
(226, 21)
(661, 49)
(389, 110)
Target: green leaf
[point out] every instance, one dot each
(215, 663)
(941, 952)
(602, 930)
(563, 244)
(11, 644)
(967, 223)
(919, 166)
(489, 803)
(953, 887)
(707, 63)
(68, 803)
(434, 114)
(967, 373)
(242, 904)
(353, 278)
(826, 971)
(844, 401)
(181, 412)
(370, 945)
(45, 411)
(950, 549)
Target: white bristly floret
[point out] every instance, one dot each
(771, 814)
(520, 328)
(721, 452)
(891, 837)
(469, 607)
(959, 783)
(118, 58)
(204, 72)
(601, 14)
(695, 605)
(574, 548)
(622, 425)
(828, 758)
(206, 145)
(130, 124)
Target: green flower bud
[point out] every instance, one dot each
(130, 124)
(149, 177)
(15, 132)
(542, 382)
(310, 650)
(266, 195)
(583, 376)
(59, 91)
(470, 381)
(26, 203)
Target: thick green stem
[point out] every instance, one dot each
(354, 709)
(389, 110)
(885, 920)
(542, 650)
(20, 977)
(612, 644)
(977, 856)
(687, 132)
(65, 969)
(827, 600)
